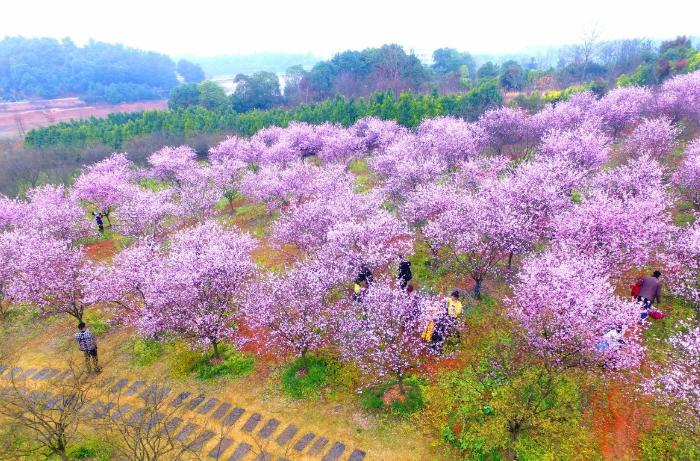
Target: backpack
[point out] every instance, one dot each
(656, 315)
(636, 288)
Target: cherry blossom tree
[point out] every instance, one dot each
(198, 191)
(10, 246)
(567, 321)
(472, 175)
(234, 148)
(677, 384)
(51, 212)
(622, 233)
(452, 139)
(653, 137)
(307, 224)
(51, 274)
(338, 144)
(507, 126)
(587, 146)
(173, 164)
(679, 97)
(542, 189)
(465, 233)
(379, 240)
(280, 187)
(135, 283)
(375, 134)
(208, 269)
(406, 165)
(144, 212)
(642, 177)
(564, 115)
(12, 213)
(383, 332)
(427, 202)
(227, 175)
(103, 184)
(623, 107)
(683, 262)
(295, 308)
(687, 177)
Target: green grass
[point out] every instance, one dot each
(153, 184)
(231, 363)
(144, 351)
(677, 311)
(372, 398)
(96, 321)
(299, 385)
(685, 214)
(358, 167)
(93, 450)
(120, 241)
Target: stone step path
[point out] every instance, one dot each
(308, 444)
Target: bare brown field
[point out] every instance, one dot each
(16, 118)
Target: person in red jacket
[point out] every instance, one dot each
(649, 292)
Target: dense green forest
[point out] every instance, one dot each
(408, 109)
(360, 73)
(48, 68)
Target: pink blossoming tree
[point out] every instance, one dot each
(677, 384)
(653, 137)
(52, 275)
(566, 321)
(383, 332)
(687, 177)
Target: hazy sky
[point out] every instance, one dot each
(208, 27)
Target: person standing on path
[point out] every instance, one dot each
(88, 344)
(649, 292)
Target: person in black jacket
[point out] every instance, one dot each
(404, 274)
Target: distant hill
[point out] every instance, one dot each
(45, 68)
(277, 63)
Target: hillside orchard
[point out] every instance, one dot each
(542, 221)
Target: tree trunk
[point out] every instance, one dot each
(107, 216)
(477, 288)
(510, 260)
(304, 361)
(402, 388)
(215, 345)
(77, 312)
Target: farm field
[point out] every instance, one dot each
(16, 118)
(525, 286)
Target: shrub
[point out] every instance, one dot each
(92, 450)
(504, 405)
(299, 385)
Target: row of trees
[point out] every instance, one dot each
(47, 68)
(360, 73)
(408, 109)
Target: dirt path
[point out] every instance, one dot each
(619, 419)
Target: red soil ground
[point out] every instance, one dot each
(618, 422)
(102, 250)
(25, 115)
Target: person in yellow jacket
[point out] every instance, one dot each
(443, 322)
(454, 306)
